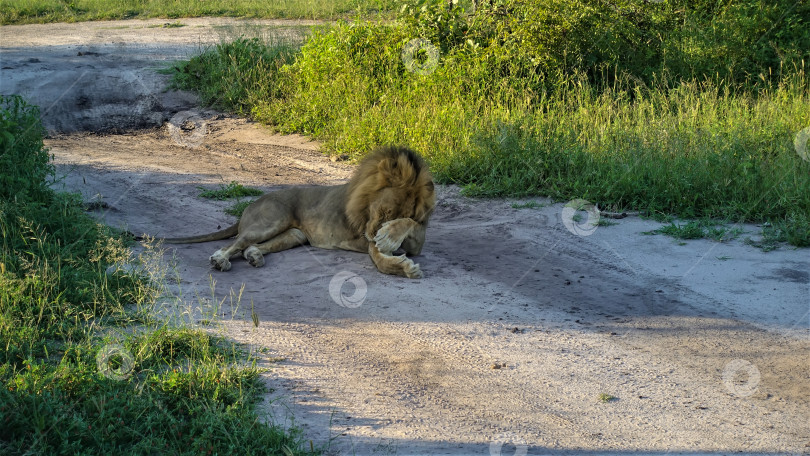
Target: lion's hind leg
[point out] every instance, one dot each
(250, 238)
(286, 240)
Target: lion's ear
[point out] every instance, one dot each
(429, 186)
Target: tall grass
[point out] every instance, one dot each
(85, 367)
(698, 147)
(44, 11)
(238, 75)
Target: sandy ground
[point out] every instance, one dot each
(524, 318)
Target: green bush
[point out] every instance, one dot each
(232, 190)
(618, 103)
(235, 75)
(734, 42)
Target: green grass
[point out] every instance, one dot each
(238, 208)
(237, 75)
(605, 398)
(175, 24)
(528, 205)
(772, 237)
(232, 190)
(696, 148)
(44, 11)
(606, 222)
(698, 229)
(85, 366)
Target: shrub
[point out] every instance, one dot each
(735, 42)
(627, 104)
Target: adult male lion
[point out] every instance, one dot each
(386, 205)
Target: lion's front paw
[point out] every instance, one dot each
(220, 261)
(386, 240)
(412, 270)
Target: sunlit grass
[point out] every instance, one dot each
(43, 11)
(694, 149)
(86, 365)
(237, 208)
(230, 191)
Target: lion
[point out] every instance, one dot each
(383, 208)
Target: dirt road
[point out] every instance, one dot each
(533, 331)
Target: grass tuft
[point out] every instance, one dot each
(605, 398)
(238, 208)
(698, 229)
(528, 205)
(232, 190)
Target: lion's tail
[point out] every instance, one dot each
(229, 232)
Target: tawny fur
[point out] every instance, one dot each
(385, 206)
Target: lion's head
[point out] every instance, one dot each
(390, 183)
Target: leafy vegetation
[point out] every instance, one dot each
(43, 11)
(528, 205)
(770, 237)
(85, 367)
(237, 75)
(698, 229)
(669, 107)
(238, 208)
(232, 190)
(605, 397)
(680, 108)
(647, 41)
